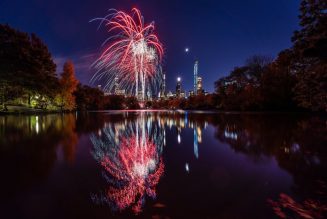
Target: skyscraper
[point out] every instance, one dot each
(199, 85)
(116, 86)
(178, 87)
(196, 68)
(163, 86)
(117, 90)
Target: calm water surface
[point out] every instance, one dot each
(163, 165)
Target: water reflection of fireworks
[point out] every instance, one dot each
(132, 163)
(287, 206)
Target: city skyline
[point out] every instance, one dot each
(220, 36)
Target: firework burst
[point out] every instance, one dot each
(132, 53)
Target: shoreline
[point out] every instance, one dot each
(41, 112)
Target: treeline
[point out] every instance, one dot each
(28, 79)
(28, 74)
(88, 98)
(295, 80)
(198, 102)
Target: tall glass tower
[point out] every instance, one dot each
(196, 68)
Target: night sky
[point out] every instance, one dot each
(221, 34)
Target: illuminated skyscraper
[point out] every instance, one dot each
(199, 85)
(163, 86)
(116, 86)
(178, 87)
(196, 68)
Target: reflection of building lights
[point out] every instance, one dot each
(179, 138)
(182, 124)
(37, 125)
(199, 133)
(195, 142)
(187, 168)
(164, 140)
(230, 135)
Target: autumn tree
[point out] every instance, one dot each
(68, 85)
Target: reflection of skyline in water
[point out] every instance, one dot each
(130, 153)
(182, 123)
(280, 158)
(243, 139)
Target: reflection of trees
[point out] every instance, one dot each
(28, 146)
(69, 139)
(297, 143)
(254, 134)
(130, 153)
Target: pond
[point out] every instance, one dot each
(163, 164)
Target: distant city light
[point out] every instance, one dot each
(187, 49)
(187, 168)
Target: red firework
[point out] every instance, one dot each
(133, 53)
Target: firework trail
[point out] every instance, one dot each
(130, 154)
(132, 53)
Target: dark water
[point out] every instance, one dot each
(163, 165)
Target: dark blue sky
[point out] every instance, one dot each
(221, 34)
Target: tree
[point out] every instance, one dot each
(277, 83)
(132, 103)
(88, 98)
(311, 88)
(311, 40)
(43, 69)
(310, 49)
(68, 85)
(240, 90)
(114, 102)
(25, 64)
